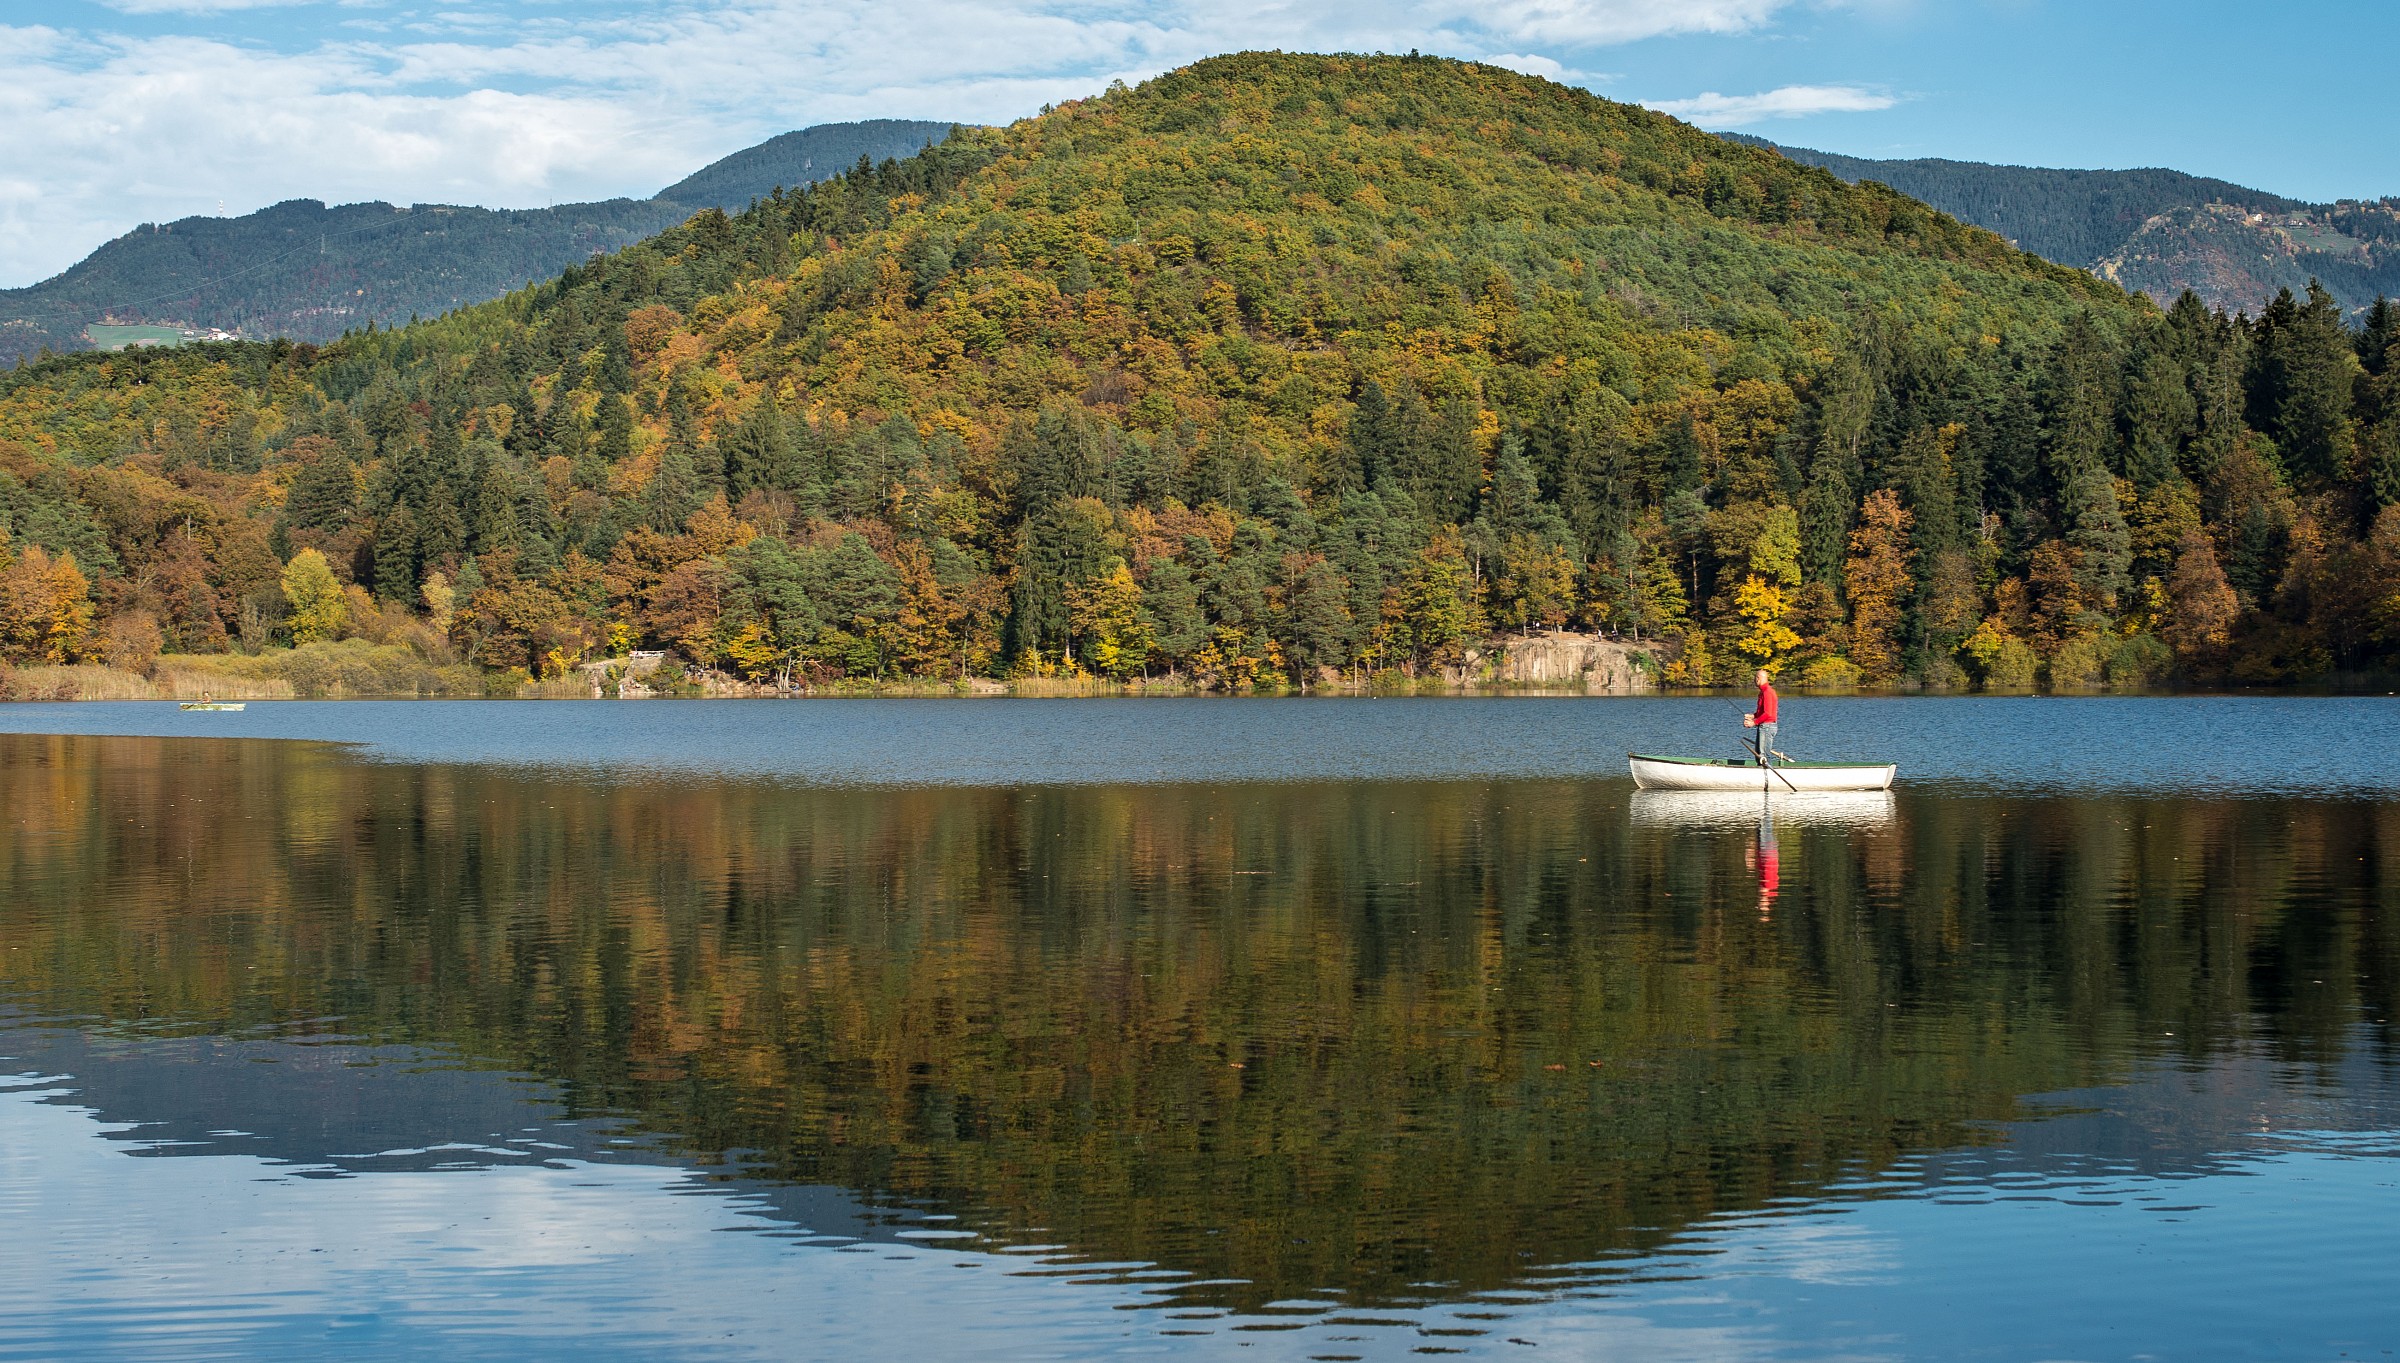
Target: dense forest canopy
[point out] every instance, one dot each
(1272, 369)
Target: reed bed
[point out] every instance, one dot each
(345, 669)
(1065, 686)
(81, 681)
(341, 670)
(573, 686)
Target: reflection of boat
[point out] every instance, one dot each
(1697, 773)
(1746, 809)
(213, 705)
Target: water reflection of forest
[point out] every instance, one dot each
(1352, 1036)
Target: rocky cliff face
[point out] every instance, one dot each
(1599, 666)
(2235, 258)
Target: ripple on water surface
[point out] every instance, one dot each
(2201, 744)
(323, 1057)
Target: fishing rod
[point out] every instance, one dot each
(1759, 750)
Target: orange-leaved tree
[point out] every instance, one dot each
(2203, 606)
(1878, 581)
(45, 605)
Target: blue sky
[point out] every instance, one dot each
(120, 112)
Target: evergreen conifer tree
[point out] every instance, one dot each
(1315, 627)
(615, 426)
(756, 453)
(1825, 524)
(445, 458)
(441, 531)
(2307, 368)
(396, 556)
(324, 495)
(2082, 419)
(2096, 529)
(496, 511)
(1172, 597)
(2379, 337)
(2160, 415)
(674, 492)
(1365, 454)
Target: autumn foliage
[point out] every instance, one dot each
(1275, 369)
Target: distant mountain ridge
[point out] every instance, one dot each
(307, 271)
(800, 158)
(2152, 230)
(2233, 257)
(303, 270)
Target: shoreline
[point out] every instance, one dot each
(984, 688)
(1555, 664)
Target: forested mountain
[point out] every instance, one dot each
(2074, 217)
(1275, 368)
(308, 272)
(2239, 259)
(2157, 232)
(800, 158)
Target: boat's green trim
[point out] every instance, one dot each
(1744, 762)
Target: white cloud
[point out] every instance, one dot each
(1582, 23)
(195, 6)
(507, 105)
(1713, 110)
(1531, 64)
(103, 140)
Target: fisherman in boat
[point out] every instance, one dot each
(1763, 720)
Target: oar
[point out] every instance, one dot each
(1757, 751)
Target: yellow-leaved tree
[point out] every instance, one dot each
(1106, 613)
(1763, 639)
(441, 603)
(319, 607)
(1763, 598)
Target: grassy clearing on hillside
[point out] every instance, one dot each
(107, 337)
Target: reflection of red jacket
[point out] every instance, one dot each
(1766, 704)
(1769, 874)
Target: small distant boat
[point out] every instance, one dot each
(212, 705)
(1699, 773)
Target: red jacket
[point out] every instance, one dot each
(1766, 704)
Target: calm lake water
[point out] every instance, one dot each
(1252, 1030)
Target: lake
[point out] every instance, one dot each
(1296, 1029)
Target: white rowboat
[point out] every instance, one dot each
(1695, 773)
(1744, 808)
(211, 705)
